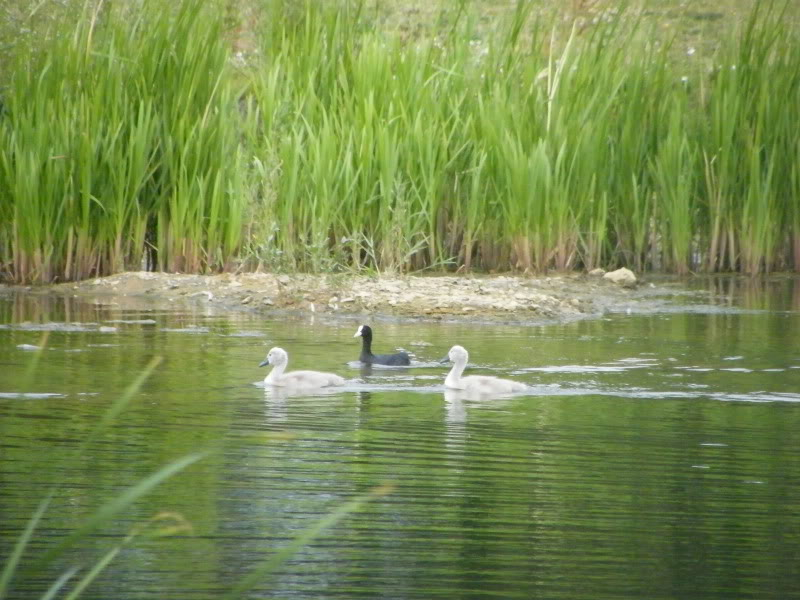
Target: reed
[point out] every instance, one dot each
(340, 145)
(749, 147)
(674, 180)
(198, 185)
(123, 131)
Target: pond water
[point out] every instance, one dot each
(657, 454)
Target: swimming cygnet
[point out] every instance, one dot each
(399, 359)
(476, 383)
(278, 358)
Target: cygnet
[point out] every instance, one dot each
(480, 384)
(278, 358)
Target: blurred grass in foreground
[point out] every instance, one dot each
(30, 559)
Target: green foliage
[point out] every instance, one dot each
(349, 147)
(118, 133)
(30, 560)
(533, 151)
(16, 569)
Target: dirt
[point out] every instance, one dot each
(485, 298)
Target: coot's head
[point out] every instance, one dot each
(364, 331)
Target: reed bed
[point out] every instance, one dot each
(337, 145)
(117, 137)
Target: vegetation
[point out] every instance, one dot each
(31, 563)
(332, 143)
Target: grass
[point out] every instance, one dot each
(75, 580)
(326, 137)
(114, 137)
(31, 560)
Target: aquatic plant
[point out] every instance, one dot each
(334, 144)
(30, 559)
(80, 577)
(118, 134)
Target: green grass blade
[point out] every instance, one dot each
(119, 404)
(96, 569)
(59, 583)
(269, 566)
(37, 356)
(11, 563)
(117, 505)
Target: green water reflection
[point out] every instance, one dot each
(656, 457)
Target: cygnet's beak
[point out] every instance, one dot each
(444, 359)
(264, 363)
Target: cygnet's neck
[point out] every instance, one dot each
(275, 375)
(453, 379)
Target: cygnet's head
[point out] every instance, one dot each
(458, 354)
(276, 356)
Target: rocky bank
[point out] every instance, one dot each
(487, 298)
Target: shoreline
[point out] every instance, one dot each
(487, 298)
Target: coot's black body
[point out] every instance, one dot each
(367, 357)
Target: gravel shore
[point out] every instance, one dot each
(488, 298)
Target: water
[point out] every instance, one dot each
(656, 456)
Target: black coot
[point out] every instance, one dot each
(399, 359)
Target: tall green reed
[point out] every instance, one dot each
(674, 180)
(536, 146)
(198, 184)
(749, 145)
(122, 130)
